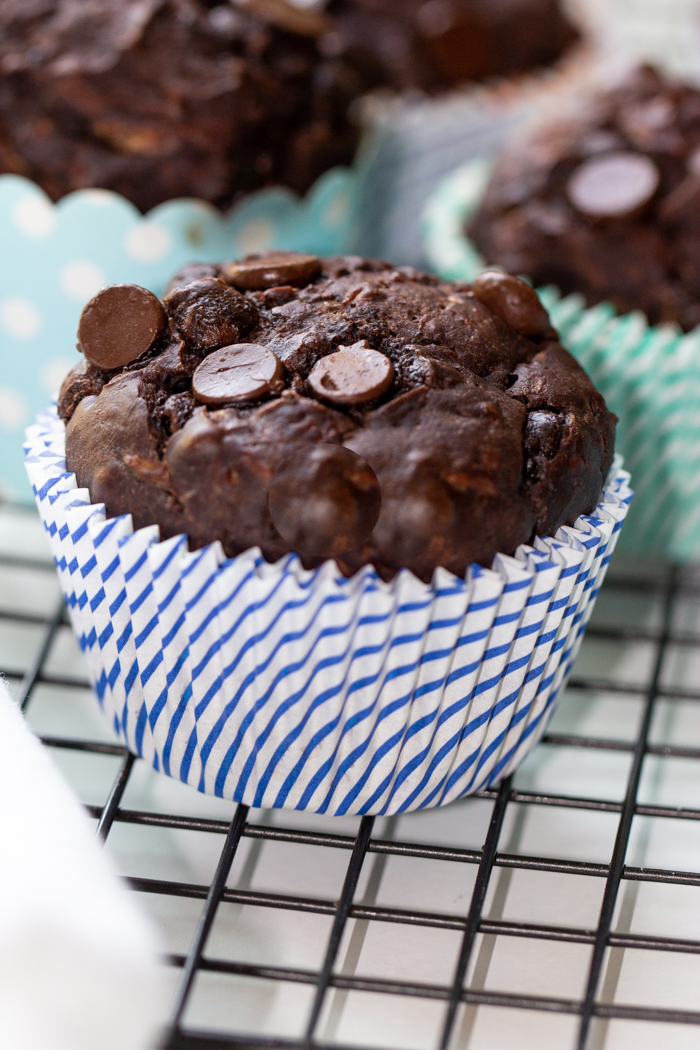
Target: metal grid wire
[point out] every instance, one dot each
(666, 588)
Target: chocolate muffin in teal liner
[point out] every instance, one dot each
(329, 530)
(640, 252)
(605, 201)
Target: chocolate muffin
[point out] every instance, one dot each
(608, 203)
(337, 407)
(157, 99)
(444, 43)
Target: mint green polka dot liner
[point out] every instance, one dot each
(649, 376)
(54, 258)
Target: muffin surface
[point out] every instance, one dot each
(607, 204)
(479, 427)
(157, 99)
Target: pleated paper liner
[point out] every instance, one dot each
(276, 686)
(649, 376)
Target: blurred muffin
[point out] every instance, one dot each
(441, 44)
(608, 203)
(157, 99)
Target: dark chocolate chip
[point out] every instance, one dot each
(177, 410)
(189, 273)
(278, 296)
(352, 375)
(272, 269)
(242, 372)
(325, 500)
(120, 324)
(427, 366)
(543, 433)
(514, 301)
(613, 185)
(82, 381)
(208, 313)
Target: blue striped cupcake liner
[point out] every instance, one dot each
(276, 686)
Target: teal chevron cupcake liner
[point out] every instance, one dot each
(648, 375)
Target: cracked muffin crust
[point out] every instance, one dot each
(481, 430)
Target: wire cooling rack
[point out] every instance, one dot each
(558, 910)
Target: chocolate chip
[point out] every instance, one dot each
(543, 433)
(325, 500)
(242, 372)
(514, 301)
(431, 366)
(177, 410)
(279, 295)
(120, 324)
(614, 185)
(352, 375)
(189, 273)
(271, 269)
(82, 381)
(208, 313)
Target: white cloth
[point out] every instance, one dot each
(78, 963)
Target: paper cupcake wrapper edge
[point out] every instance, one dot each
(275, 686)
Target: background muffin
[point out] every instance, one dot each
(444, 43)
(157, 99)
(608, 203)
(479, 427)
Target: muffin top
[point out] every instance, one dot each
(336, 407)
(608, 202)
(444, 43)
(157, 99)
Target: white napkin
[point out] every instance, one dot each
(78, 963)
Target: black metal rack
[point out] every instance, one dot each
(667, 587)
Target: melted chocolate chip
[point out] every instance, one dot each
(272, 269)
(243, 372)
(543, 433)
(177, 410)
(189, 273)
(325, 501)
(514, 301)
(352, 375)
(120, 324)
(82, 381)
(208, 313)
(614, 185)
